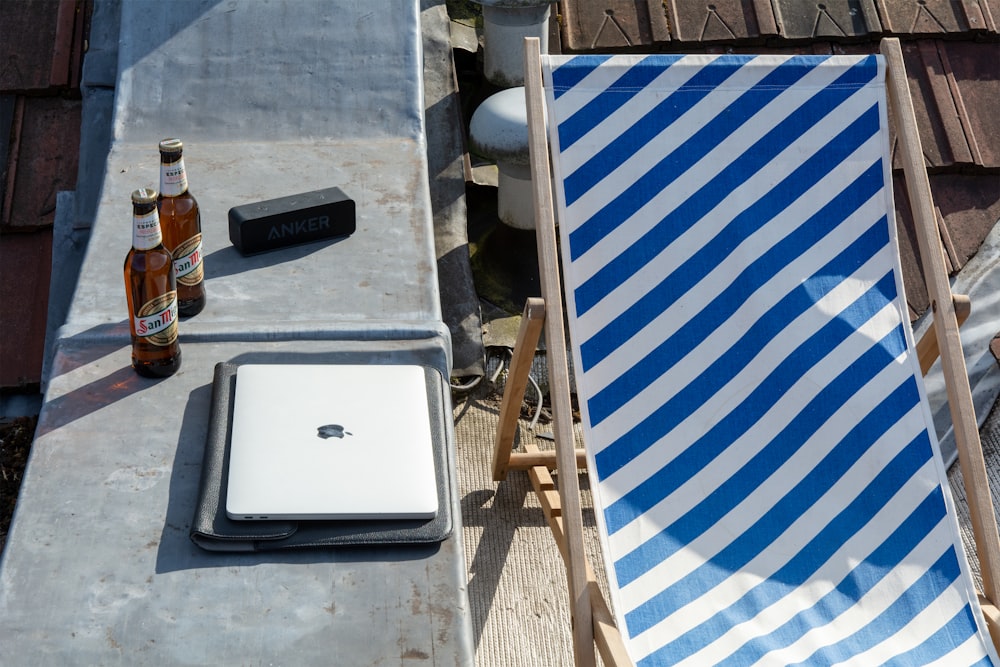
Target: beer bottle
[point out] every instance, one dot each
(181, 223)
(151, 290)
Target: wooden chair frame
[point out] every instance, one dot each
(593, 622)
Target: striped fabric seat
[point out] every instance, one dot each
(762, 456)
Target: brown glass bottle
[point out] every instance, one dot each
(181, 223)
(151, 290)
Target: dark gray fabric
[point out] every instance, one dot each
(212, 530)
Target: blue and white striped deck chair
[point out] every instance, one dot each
(762, 459)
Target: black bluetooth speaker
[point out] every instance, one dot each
(285, 221)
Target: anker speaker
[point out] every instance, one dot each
(285, 221)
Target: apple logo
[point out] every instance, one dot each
(332, 431)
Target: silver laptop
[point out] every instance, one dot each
(331, 442)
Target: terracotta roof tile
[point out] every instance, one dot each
(719, 21)
(938, 17)
(956, 91)
(595, 25)
(25, 264)
(41, 44)
(42, 160)
(830, 19)
(972, 69)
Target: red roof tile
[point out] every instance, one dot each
(610, 24)
(830, 19)
(937, 17)
(41, 44)
(25, 266)
(43, 160)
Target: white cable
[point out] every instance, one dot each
(500, 366)
(538, 409)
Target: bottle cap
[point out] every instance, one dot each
(144, 196)
(171, 146)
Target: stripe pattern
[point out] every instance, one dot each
(765, 468)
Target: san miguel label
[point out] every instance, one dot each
(156, 321)
(188, 266)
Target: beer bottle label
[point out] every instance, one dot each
(156, 321)
(188, 266)
(173, 178)
(146, 231)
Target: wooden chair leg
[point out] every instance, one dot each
(992, 615)
(504, 459)
(538, 463)
(607, 636)
(963, 413)
(517, 382)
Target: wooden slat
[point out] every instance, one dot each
(992, 616)
(547, 458)
(927, 347)
(542, 482)
(517, 381)
(549, 500)
(607, 636)
(545, 490)
(558, 364)
(970, 453)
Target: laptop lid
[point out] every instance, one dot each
(331, 442)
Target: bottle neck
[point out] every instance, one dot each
(173, 177)
(145, 227)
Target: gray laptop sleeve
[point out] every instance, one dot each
(212, 530)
